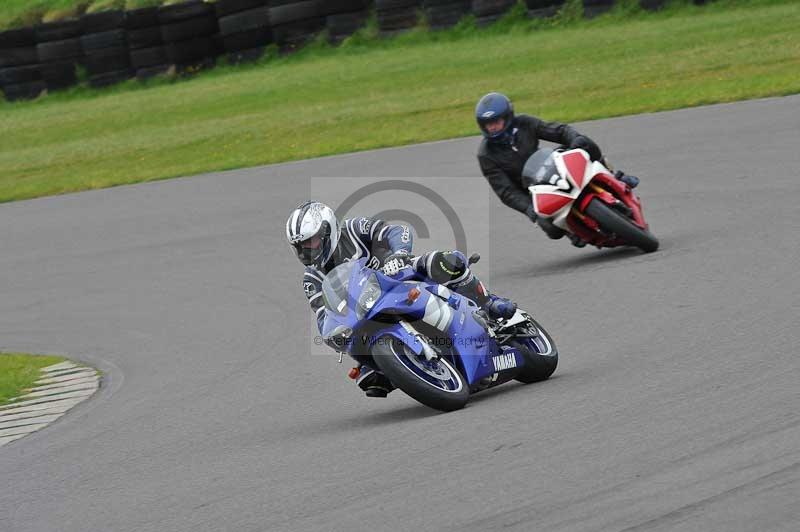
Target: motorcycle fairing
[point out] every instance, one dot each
(579, 173)
(554, 200)
(472, 350)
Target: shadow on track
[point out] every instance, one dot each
(365, 420)
(561, 266)
(512, 388)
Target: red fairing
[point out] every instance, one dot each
(606, 196)
(586, 230)
(549, 204)
(612, 190)
(576, 165)
(622, 192)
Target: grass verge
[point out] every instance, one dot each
(422, 86)
(19, 371)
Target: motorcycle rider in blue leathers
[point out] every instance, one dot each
(509, 140)
(321, 243)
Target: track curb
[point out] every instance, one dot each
(59, 389)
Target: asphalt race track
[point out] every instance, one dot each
(676, 405)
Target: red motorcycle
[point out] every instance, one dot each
(582, 197)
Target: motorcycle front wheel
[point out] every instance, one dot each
(435, 383)
(613, 222)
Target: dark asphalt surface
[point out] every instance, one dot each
(676, 406)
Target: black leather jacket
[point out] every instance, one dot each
(502, 162)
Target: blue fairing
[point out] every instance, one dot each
(397, 331)
(467, 343)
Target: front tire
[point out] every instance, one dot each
(540, 353)
(437, 384)
(613, 222)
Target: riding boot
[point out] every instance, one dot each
(374, 383)
(496, 307)
(630, 180)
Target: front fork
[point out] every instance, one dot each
(581, 225)
(587, 228)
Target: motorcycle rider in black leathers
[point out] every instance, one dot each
(510, 140)
(322, 243)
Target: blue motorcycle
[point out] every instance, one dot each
(434, 344)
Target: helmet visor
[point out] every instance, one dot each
(494, 126)
(310, 250)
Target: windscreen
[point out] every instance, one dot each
(335, 286)
(540, 169)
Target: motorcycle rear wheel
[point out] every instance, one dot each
(541, 358)
(613, 222)
(437, 384)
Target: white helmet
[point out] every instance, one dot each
(313, 232)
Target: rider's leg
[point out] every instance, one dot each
(374, 383)
(549, 229)
(450, 268)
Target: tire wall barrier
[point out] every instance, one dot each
(113, 46)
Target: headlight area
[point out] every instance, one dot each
(369, 296)
(339, 338)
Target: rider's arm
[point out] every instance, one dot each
(396, 238)
(312, 286)
(561, 134)
(508, 192)
(383, 239)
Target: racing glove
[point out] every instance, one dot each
(588, 145)
(396, 262)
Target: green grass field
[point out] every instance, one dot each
(417, 87)
(18, 371)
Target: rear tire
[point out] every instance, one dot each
(396, 361)
(613, 222)
(541, 361)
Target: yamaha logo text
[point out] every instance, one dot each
(503, 362)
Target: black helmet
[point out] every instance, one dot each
(492, 107)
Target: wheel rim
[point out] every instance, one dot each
(540, 342)
(438, 373)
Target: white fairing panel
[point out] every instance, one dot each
(566, 187)
(437, 313)
(518, 317)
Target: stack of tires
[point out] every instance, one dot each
(445, 13)
(344, 17)
(397, 15)
(488, 11)
(147, 52)
(20, 76)
(60, 52)
(295, 23)
(244, 28)
(105, 46)
(543, 8)
(59, 48)
(593, 8)
(652, 5)
(187, 30)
